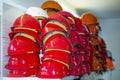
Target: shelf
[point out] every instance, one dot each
(27, 78)
(36, 78)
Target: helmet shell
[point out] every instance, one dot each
(21, 45)
(52, 69)
(23, 61)
(27, 21)
(23, 72)
(89, 18)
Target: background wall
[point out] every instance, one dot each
(111, 35)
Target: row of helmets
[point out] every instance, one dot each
(51, 43)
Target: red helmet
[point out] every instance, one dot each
(74, 36)
(79, 24)
(62, 55)
(23, 72)
(81, 28)
(75, 65)
(21, 45)
(24, 29)
(66, 14)
(83, 57)
(85, 68)
(59, 20)
(84, 41)
(53, 69)
(70, 18)
(27, 21)
(34, 35)
(23, 61)
(57, 41)
(49, 28)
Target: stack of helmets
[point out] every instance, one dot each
(86, 50)
(79, 58)
(24, 47)
(103, 52)
(98, 44)
(74, 38)
(56, 47)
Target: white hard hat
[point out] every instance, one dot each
(36, 11)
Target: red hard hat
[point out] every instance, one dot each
(28, 33)
(75, 65)
(21, 45)
(59, 20)
(74, 37)
(49, 28)
(75, 41)
(84, 41)
(23, 61)
(81, 28)
(85, 68)
(57, 41)
(79, 24)
(66, 14)
(53, 69)
(32, 32)
(27, 21)
(83, 57)
(58, 54)
(23, 72)
(70, 18)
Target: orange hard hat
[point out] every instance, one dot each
(89, 18)
(91, 21)
(110, 65)
(51, 7)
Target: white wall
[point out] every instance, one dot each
(111, 34)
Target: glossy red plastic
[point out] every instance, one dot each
(50, 27)
(57, 42)
(34, 34)
(23, 61)
(23, 72)
(27, 21)
(59, 55)
(59, 18)
(21, 45)
(52, 69)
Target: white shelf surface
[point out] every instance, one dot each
(36, 78)
(26, 78)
